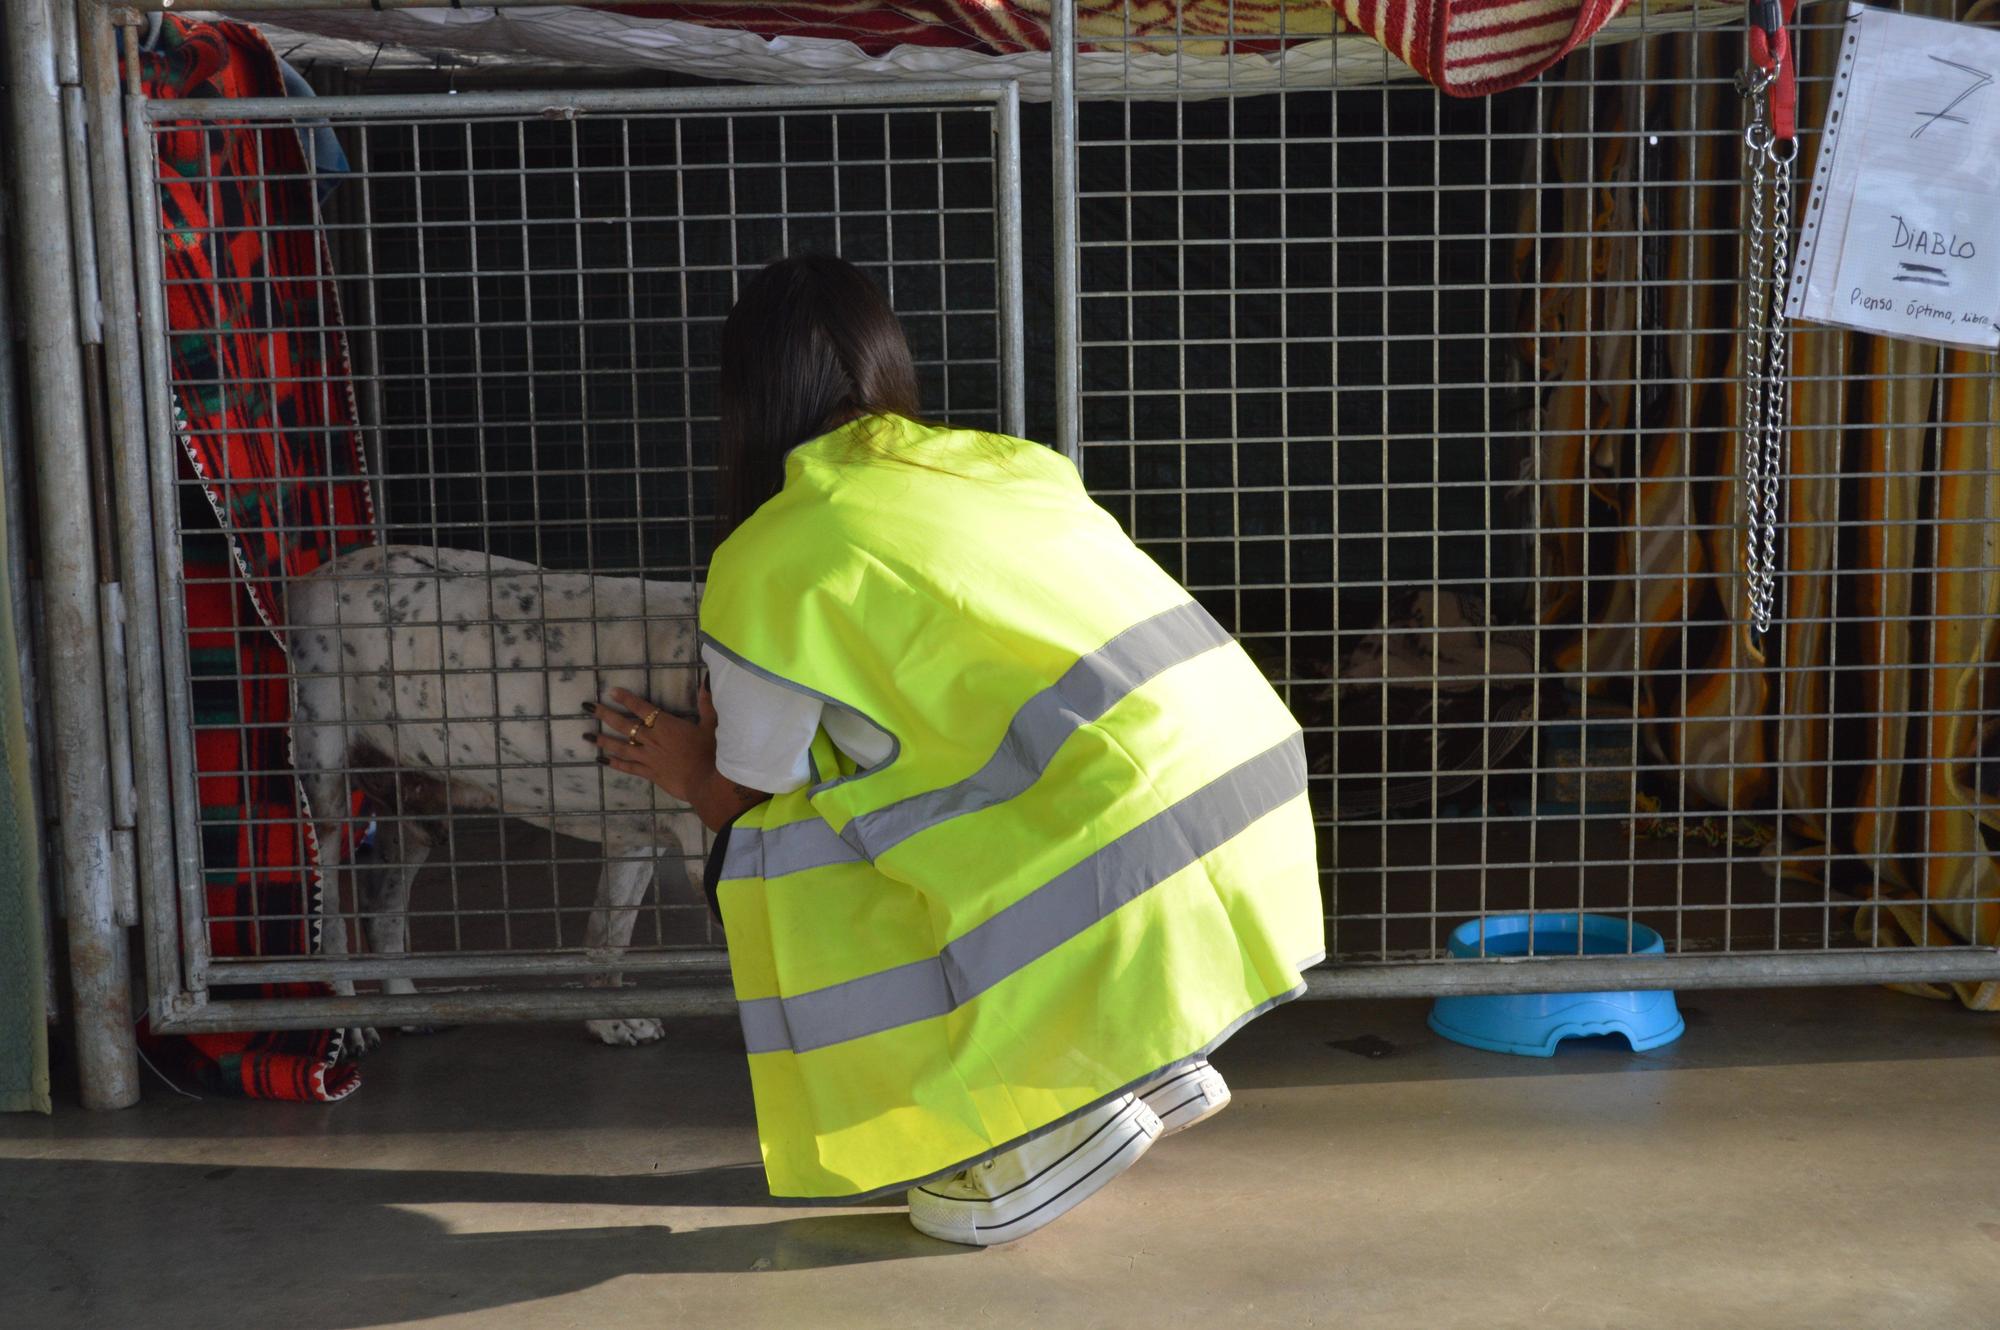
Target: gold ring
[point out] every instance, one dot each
(632, 736)
(651, 716)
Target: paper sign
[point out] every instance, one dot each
(1902, 226)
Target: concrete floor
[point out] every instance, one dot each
(1811, 1159)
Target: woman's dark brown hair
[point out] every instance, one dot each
(811, 343)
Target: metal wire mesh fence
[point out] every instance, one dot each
(451, 435)
(1433, 403)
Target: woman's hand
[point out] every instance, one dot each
(641, 739)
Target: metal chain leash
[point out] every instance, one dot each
(1766, 407)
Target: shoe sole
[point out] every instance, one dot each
(1051, 1194)
(1195, 1095)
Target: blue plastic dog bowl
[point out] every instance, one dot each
(1533, 1024)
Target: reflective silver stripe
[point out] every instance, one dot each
(791, 848)
(1091, 686)
(1126, 868)
(764, 1025)
(1087, 689)
(745, 855)
(823, 1016)
(1053, 913)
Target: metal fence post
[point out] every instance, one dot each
(1013, 314)
(1062, 154)
(99, 964)
(189, 978)
(132, 484)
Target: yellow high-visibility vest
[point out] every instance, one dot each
(1089, 856)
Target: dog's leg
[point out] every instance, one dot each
(324, 791)
(320, 759)
(620, 889)
(387, 905)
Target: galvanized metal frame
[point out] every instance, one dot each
(169, 865)
(180, 992)
(57, 287)
(174, 903)
(151, 815)
(1371, 966)
(705, 991)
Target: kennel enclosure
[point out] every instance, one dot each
(540, 278)
(1432, 401)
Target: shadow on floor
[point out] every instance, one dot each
(225, 1247)
(697, 1077)
(1376, 1042)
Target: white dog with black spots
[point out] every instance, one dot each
(442, 681)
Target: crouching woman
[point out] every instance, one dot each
(1015, 833)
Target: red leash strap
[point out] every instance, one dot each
(1771, 51)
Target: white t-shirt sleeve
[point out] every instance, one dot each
(763, 730)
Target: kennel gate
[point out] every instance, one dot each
(1428, 400)
(1244, 279)
(529, 285)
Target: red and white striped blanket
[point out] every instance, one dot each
(1126, 48)
(1469, 48)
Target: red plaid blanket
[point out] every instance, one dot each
(266, 419)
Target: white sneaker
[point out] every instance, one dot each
(1013, 1194)
(1191, 1094)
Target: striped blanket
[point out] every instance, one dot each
(1469, 48)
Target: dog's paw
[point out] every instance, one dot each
(361, 1040)
(630, 1032)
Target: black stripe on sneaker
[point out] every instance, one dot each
(1181, 1105)
(1137, 1133)
(1109, 1123)
(1172, 1080)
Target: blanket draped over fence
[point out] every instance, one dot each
(1469, 48)
(1145, 48)
(1867, 697)
(266, 419)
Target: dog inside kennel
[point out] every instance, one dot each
(513, 319)
(1478, 514)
